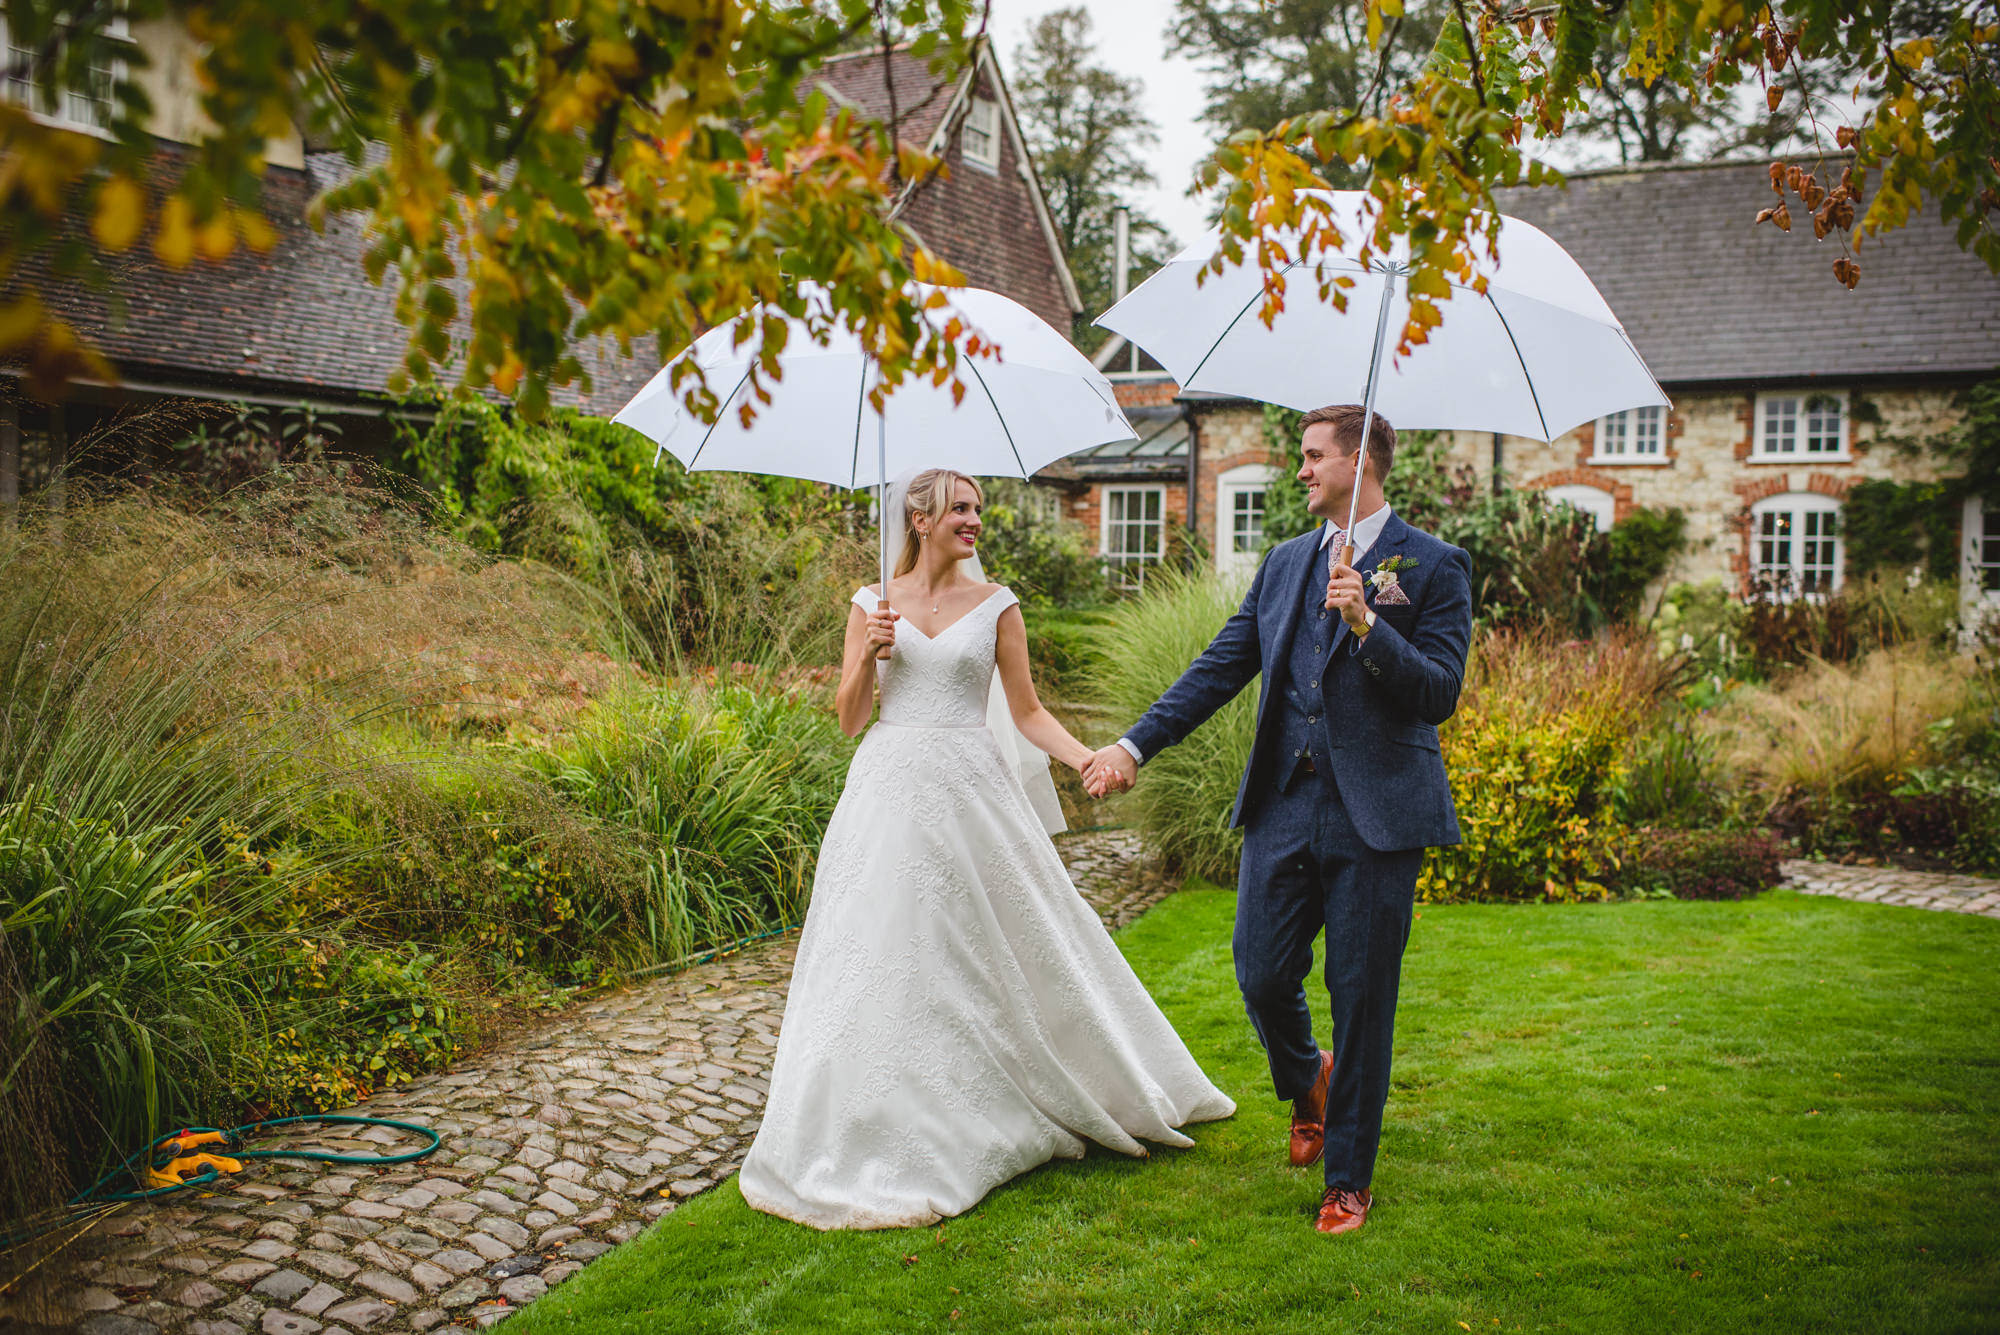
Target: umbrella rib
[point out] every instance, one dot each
(1226, 328)
(860, 397)
(1000, 417)
(696, 456)
(1526, 378)
(1111, 404)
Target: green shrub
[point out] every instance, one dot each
(1643, 545)
(1672, 777)
(1781, 631)
(1536, 758)
(1701, 864)
(712, 568)
(1030, 547)
(1891, 754)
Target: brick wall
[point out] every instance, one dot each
(984, 222)
(1709, 473)
(1228, 438)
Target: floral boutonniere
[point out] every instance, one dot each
(1383, 581)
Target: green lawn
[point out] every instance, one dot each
(1771, 1116)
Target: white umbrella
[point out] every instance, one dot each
(1039, 400)
(1539, 353)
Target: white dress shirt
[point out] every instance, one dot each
(1366, 531)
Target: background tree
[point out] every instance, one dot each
(1085, 127)
(1264, 61)
(1657, 121)
(537, 173)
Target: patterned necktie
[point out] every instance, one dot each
(1334, 547)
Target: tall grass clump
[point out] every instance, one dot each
(1890, 754)
(723, 794)
(1184, 796)
(132, 765)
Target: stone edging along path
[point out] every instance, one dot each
(558, 1144)
(1889, 885)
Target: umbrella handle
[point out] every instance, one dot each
(883, 652)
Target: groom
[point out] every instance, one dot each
(1345, 787)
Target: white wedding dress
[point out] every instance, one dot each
(958, 1014)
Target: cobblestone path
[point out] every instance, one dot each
(558, 1144)
(1890, 885)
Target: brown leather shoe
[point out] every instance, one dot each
(1309, 1117)
(1343, 1211)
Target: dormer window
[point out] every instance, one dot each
(980, 139)
(87, 108)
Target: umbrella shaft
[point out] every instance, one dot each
(882, 497)
(1368, 410)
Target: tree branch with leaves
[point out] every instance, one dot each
(536, 176)
(1503, 80)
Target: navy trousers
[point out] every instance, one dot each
(1304, 868)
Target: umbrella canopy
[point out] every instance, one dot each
(1037, 401)
(1539, 353)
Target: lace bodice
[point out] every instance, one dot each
(942, 682)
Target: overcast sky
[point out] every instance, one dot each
(1129, 35)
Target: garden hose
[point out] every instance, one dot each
(169, 1163)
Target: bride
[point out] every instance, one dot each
(957, 1013)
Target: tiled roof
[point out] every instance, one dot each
(863, 81)
(1161, 447)
(301, 319)
(1707, 295)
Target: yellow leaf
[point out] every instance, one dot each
(215, 238)
(507, 375)
(121, 214)
(173, 243)
(18, 322)
(256, 232)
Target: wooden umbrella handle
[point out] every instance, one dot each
(883, 652)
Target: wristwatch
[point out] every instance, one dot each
(1369, 613)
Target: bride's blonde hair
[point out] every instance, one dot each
(929, 495)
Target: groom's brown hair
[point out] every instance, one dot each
(1345, 419)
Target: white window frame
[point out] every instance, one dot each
(1599, 504)
(1765, 449)
(1243, 480)
(1627, 430)
(982, 117)
(1105, 524)
(115, 30)
(1787, 551)
(1979, 562)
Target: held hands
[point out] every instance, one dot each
(1111, 770)
(1346, 595)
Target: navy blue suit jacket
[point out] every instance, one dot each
(1385, 695)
